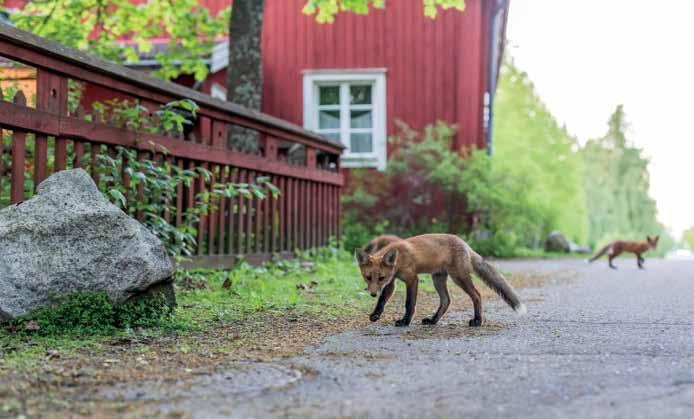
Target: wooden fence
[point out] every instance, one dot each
(44, 133)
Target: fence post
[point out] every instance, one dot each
(51, 96)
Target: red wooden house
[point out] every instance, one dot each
(351, 80)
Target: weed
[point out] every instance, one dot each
(91, 313)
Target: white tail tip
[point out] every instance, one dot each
(521, 310)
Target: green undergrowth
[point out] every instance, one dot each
(92, 314)
(324, 284)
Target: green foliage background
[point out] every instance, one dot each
(538, 179)
(617, 184)
(534, 151)
(688, 238)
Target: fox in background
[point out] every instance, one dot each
(618, 247)
(440, 255)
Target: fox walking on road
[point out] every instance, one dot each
(440, 255)
(618, 247)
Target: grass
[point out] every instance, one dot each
(248, 313)
(329, 288)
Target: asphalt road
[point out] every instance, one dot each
(597, 343)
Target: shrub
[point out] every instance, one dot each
(431, 187)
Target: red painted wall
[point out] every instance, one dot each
(436, 69)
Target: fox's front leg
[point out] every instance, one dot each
(410, 301)
(386, 293)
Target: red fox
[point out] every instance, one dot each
(439, 255)
(616, 248)
(380, 242)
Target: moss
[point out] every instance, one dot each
(92, 313)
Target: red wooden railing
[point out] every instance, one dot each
(306, 214)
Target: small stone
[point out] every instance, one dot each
(32, 326)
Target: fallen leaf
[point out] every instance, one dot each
(227, 283)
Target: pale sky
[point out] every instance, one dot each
(587, 56)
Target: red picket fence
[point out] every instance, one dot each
(45, 136)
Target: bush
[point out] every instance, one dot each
(443, 190)
(93, 313)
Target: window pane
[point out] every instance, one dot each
(360, 119)
(329, 95)
(360, 143)
(361, 95)
(328, 119)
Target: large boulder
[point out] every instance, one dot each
(68, 238)
(557, 242)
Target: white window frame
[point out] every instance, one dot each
(374, 77)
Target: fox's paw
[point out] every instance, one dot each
(374, 317)
(402, 323)
(429, 321)
(475, 322)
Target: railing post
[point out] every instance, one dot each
(219, 135)
(271, 148)
(51, 96)
(311, 158)
(18, 151)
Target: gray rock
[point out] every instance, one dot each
(557, 242)
(577, 248)
(68, 238)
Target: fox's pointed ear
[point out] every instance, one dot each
(391, 257)
(656, 238)
(648, 238)
(369, 248)
(361, 256)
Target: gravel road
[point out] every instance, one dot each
(596, 343)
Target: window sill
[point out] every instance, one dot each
(353, 162)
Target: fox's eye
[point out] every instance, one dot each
(381, 279)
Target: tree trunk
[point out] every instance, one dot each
(245, 71)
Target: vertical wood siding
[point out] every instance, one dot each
(436, 69)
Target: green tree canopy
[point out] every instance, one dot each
(98, 25)
(688, 238)
(325, 10)
(529, 144)
(617, 186)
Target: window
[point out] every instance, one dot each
(350, 108)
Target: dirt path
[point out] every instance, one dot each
(602, 344)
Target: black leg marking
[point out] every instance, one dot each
(410, 302)
(382, 300)
(440, 283)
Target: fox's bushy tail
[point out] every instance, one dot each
(497, 283)
(600, 253)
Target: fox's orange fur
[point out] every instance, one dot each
(618, 247)
(440, 255)
(380, 242)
